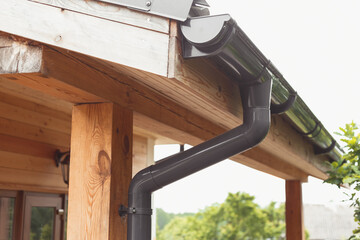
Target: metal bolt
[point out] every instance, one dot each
(148, 3)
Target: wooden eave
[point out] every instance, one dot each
(60, 53)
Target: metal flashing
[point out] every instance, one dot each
(174, 9)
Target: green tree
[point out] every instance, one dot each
(239, 217)
(346, 171)
(163, 218)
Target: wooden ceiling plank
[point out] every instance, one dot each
(23, 130)
(27, 105)
(18, 114)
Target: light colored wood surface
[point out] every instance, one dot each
(100, 173)
(28, 163)
(37, 108)
(26, 149)
(14, 57)
(121, 43)
(30, 132)
(294, 211)
(19, 114)
(112, 12)
(9, 87)
(143, 153)
(15, 179)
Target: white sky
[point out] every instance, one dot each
(315, 44)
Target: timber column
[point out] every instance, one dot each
(294, 211)
(100, 171)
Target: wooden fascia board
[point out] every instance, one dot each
(112, 12)
(90, 80)
(113, 41)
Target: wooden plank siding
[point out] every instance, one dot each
(29, 135)
(26, 160)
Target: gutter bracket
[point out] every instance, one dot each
(319, 151)
(285, 106)
(311, 132)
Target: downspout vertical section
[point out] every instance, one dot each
(256, 124)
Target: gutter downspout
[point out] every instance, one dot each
(256, 124)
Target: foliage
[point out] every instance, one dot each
(237, 218)
(163, 218)
(41, 223)
(346, 171)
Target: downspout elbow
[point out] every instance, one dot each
(256, 124)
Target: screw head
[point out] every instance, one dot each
(148, 3)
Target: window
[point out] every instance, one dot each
(31, 216)
(7, 209)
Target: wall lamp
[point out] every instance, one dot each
(63, 159)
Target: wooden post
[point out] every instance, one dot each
(294, 211)
(100, 171)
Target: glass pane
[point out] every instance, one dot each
(42, 223)
(6, 217)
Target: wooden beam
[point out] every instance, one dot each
(100, 173)
(92, 81)
(113, 41)
(294, 211)
(14, 57)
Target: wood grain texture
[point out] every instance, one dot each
(18, 57)
(52, 87)
(28, 147)
(18, 102)
(22, 115)
(101, 167)
(15, 179)
(193, 108)
(143, 153)
(42, 99)
(294, 211)
(38, 134)
(158, 114)
(112, 12)
(28, 163)
(121, 43)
